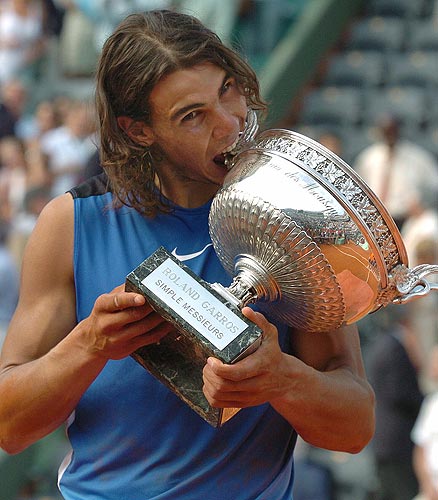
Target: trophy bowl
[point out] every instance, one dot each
(305, 237)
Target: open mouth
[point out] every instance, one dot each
(246, 136)
(224, 158)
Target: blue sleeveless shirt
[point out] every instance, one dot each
(131, 437)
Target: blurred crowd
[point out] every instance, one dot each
(49, 144)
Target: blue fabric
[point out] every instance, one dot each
(133, 438)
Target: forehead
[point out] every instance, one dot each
(193, 86)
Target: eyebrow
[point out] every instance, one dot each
(194, 106)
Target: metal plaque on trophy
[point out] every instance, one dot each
(302, 236)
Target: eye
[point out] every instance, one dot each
(227, 86)
(190, 116)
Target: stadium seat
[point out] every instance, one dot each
(417, 68)
(332, 106)
(356, 68)
(378, 33)
(407, 9)
(423, 35)
(408, 104)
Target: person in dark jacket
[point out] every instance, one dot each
(393, 373)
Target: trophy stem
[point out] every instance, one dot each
(237, 294)
(251, 283)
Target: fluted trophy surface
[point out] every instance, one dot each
(306, 238)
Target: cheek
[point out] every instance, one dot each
(180, 153)
(241, 105)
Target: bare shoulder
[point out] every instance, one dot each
(50, 246)
(56, 215)
(46, 307)
(330, 350)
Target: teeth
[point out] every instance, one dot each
(230, 148)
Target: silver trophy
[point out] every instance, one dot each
(306, 238)
(301, 235)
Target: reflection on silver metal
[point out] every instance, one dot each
(246, 137)
(304, 237)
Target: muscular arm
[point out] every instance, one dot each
(47, 360)
(322, 390)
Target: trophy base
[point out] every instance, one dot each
(190, 304)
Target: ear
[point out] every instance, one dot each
(138, 131)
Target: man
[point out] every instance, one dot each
(425, 437)
(13, 101)
(394, 357)
(398, 170)
(171, 100)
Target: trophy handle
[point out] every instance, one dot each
(251, 127)
(410, 283)
(246, 137)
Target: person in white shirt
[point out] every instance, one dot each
(425, 437)
(397, 170)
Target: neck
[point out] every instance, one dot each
(192, 197)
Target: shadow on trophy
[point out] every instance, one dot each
(301, 235)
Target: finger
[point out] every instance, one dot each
(237, 399)
(130, 325)
(270, 332)
(118, 301)
(257, 318)
(229, 379)
(232, 402)
(152, 337)
(246, 368)
(124, 300)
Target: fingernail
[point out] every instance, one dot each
(139, 299)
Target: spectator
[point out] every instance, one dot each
(54, 18)
(87, 24)
(397, 170)
(12, 105)
(13, 177)
(23, 224)
(22, 39)
(425, 437)
(393, 371)
(77, 51)
(69, 147)
(218, 16)
(45, 117)
(422, 225)
(420, 235)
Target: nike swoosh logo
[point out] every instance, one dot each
(189, 256)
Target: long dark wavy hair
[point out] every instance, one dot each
(143, 49)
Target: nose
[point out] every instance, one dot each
(225, 123)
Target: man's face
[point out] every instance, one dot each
(197, 113)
